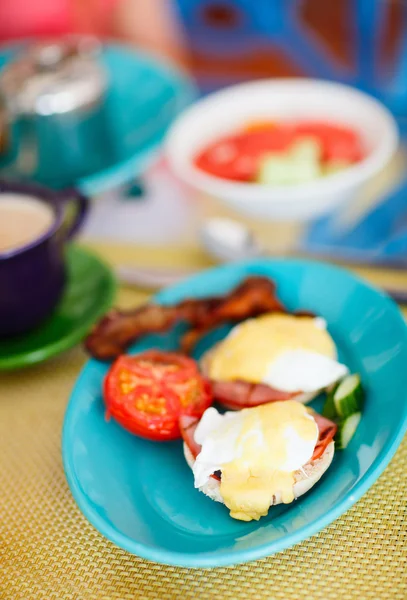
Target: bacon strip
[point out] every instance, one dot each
(115, 331)
(118, 329)
(254, 297)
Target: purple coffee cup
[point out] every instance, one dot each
(33, 276)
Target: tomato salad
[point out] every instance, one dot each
(283, 153)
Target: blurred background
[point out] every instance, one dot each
(160, 55)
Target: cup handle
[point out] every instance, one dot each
(82, 202)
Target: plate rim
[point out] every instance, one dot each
(121, 172)
(225, 558)
(38, 355)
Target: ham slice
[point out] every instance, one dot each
(242, 394)
(188, 426)
(327, 430)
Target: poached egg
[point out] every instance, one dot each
(287, 352)
(258, 450)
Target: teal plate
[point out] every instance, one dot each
(89, 293)
(140, 494)
(145, 95)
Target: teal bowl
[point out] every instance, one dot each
(140, 494)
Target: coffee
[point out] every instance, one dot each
(23, 219)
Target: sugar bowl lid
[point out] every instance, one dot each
(54, 77)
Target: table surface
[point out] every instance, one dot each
(168, 212)
(49, 551)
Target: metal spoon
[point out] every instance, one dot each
(238, 245)
(226, 240)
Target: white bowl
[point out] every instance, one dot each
(226, 111)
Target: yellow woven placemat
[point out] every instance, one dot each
(49, 551)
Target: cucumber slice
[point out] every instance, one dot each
(329, 410)
(299, 164)
(307, 148)
(346, 430)
(348, 397)
(276, 170)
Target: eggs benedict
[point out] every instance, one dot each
(273, 357)
(258, 457)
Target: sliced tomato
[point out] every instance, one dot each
(236, 395)
(276, 139)
(147, 393)
(339, 143)
(226, 159)
(260, 125)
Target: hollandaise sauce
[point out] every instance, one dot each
(275, 440)
(253, 346)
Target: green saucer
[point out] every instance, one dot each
(89, 293)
